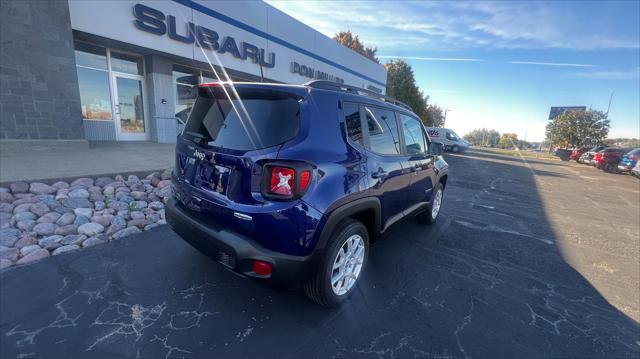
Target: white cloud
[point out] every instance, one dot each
(631, 74)
(459, 25)
(550, 64)
(420, 58)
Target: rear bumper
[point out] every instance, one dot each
(237, 252)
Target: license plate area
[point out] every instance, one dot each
(212, 177)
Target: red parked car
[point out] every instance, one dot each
(609, 158)
(576, 153)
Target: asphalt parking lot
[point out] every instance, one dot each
(529, 259)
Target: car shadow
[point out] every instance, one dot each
(487, 280)
(489, 155)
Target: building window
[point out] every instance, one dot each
(186, 81)
(126, 63)
(93, 81)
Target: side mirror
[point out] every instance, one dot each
(436, 148)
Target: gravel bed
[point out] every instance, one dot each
(38, 220)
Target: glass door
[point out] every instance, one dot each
(129, 107)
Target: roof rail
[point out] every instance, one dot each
(330, 85)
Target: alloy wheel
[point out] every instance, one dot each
(347, 265)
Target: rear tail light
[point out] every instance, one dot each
(281, 182)
(262, 268)
(285, 181)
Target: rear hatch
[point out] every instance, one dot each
(220, 152)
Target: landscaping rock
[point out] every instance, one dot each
(6, 197)
(44, 229)
(164, 183)
(24, 215)
(77, 202)
(138, 205)
(36, 255)
(126, 232)
(80, 220)
(73, 239)
(118, 205)
(50, 217)
(79, 193)
(28, 249)
(164, 192)
(156, 205)
(50, 242)
(9, 253)
(4, 263)
(26, 225)
(65, 219)
(113, 229)
(109, 191)
(66, 230)
(86, 212)
(119, 220)
(153, 217)
(104, 220)
(83, 181)
(140, 223)
(90, 229)
(166, 174)
(103, 181)
(24, 207)
(39, 209)
(139, 195)
(99, 205)
(93, 241)
(41, 188)
(64, 249)
(19, 187)
(26, 239)
(60, 185)
(6, 220)
(6, 207)
(137, 215)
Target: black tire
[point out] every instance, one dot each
(319, 288)
(427, 216)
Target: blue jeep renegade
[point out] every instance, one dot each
(290, 184)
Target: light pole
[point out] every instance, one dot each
(445, 117)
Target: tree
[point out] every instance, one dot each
(578, 128)
(402, 85)
(434, 115)
(347, 39)
(508, 140)
(483, 136)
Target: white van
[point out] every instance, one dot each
(451, 141)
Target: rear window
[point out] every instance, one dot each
(261, 119)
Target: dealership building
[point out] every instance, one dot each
(125, 70)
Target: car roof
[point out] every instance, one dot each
(369, 97)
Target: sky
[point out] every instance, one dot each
(502, 64)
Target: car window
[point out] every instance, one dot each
(383, 131)
(352, 122)
(414, 138)
(451, 136)
(268, 118)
